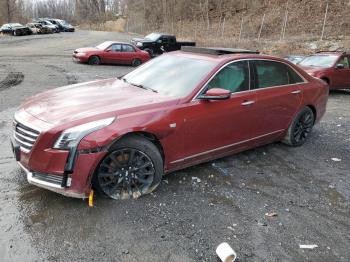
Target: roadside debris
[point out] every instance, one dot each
(196, 179)
(226, 253)
(230, 228)
(271, 214)
(125, 251)
(308, 246)
(336, 159)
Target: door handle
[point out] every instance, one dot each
(296, 92)
(247, 103)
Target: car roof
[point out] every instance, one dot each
(118, 42)
(224, 58)
(337, 52)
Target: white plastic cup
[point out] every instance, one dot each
(226, 253)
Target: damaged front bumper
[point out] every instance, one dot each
(50, 183)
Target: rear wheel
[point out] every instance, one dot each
(94, 60)
(136, 62)
(132, 168)
(300, 128)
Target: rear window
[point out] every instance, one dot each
(272, 73)
(128, 48)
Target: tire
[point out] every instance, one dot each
(94, 60)
(300, 128)
(15, 33)
(121, 177)
(136, 62)
(150, 52)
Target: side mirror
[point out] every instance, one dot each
(216, 94)
(340, 66)
(159, 41)
(108, 50)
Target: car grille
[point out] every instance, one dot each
(54, 179)
(25, 136)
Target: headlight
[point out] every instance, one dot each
(139, 44)
(72, 136)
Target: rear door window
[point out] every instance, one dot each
(273, 73)
(128, 48)
(233, 77)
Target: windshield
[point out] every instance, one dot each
(62, 22)
(153, 36)
(171, 75)
(103, 46)
(319, 61)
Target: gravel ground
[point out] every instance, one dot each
(195, 209)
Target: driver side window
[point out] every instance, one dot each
(234, 77)
(344, 61)
(116, 48)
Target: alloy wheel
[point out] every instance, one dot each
(126, 173)
(303, 127)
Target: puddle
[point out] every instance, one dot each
(12, 79)
(334, 196)
(260, 182)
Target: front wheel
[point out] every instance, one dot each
(94, 60)
(150, 52)
(132, 168)
(300, 128)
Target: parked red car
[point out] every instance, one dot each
(178, 110)
(111, 53)
(331, 67)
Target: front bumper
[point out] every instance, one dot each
(78, 58)
(67, 173)
(49, 185)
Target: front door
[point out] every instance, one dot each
(112, 55)
(341, 74)
(216, 127)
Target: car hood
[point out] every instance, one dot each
(111, 97)
(142, 40)
(20, 27)
(312, 69)
(87, 49)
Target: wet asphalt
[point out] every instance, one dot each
(195, 209)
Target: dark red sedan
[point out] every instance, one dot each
(111, 53)
(331, 67)
(178, 110)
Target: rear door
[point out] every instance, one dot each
(128, 54)
(341, 75)
(279, 89)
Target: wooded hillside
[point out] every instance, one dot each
(208, 21)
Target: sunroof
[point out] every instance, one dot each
(217, 50)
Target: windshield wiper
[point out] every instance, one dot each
(139, 86)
